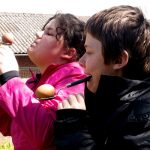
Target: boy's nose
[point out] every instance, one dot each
(82, 61)
(39, 34)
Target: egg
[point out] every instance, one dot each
(8, 38)
(45, 91)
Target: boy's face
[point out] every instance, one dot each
(93, 62)
(46, 49)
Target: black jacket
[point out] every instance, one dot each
(117, 118)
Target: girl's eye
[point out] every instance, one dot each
(50, 34)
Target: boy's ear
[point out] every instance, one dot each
(69, 54)
(122, 60)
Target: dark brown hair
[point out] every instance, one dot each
(123, 28)
(72, 29)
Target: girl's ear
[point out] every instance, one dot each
(69, 54)
(122, 61)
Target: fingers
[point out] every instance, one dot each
(60, 106)
(72, 100)
(66, 104)
(80, 99)
(75, 101)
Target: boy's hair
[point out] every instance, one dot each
(123, 28)
(72, 29)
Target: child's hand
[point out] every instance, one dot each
(75, 101)
(8, 61)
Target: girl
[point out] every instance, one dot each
(55, 51)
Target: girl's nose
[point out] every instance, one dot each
(39, 34)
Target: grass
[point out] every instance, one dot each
(6, 145)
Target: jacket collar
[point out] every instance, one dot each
(49, 71)
(115, 84)
(110, 91)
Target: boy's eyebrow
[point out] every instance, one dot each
(85, 45)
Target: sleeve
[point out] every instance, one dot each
(71, 131)
(5, 123)
(5, 119)
(139, 123)
(16, 99)
(7, 76)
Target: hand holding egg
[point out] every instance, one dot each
(7, 38)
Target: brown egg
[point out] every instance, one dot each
(45, 91)
(8, 38)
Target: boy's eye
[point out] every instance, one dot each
(88, 52)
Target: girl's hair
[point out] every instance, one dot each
(123, 28)
(72, 30)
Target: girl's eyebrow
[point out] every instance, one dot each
(49, 28)
(46, 28)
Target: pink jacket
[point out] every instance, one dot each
(31, 125)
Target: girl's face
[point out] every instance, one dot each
(93, 62)
(46, 49)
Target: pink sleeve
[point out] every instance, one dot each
(5, 123)
(16, 99)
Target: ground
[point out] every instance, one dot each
(3, 139)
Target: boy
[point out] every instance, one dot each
(117, 98)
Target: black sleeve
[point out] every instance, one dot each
(71, 131)
(7, 76)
